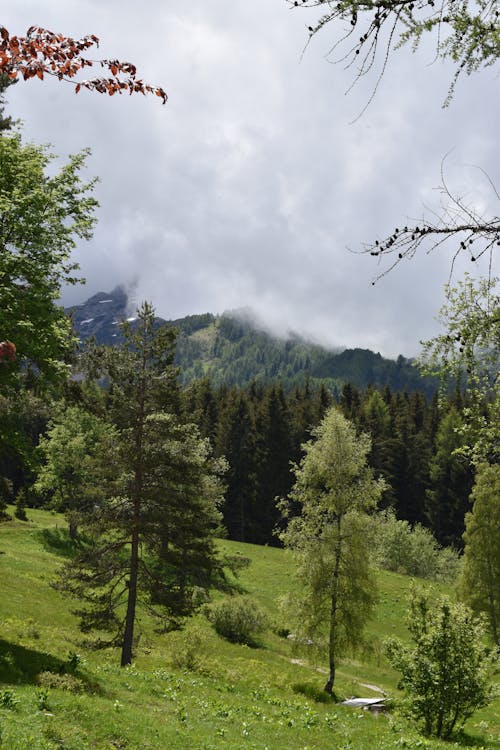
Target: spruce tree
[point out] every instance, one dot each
(274, 475)
(153, 538)
(237, 441)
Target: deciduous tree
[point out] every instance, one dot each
(41, 217)
(366, 33)
(446, 673)
(78, 460)
(334, 489)
(468, 351)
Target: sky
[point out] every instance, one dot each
(252, 187)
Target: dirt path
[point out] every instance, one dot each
(375, 688)
(368, 685)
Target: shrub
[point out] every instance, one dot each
(446, 674)
(412, 550)
(20, 507)
(188, 652)
(72, 662)
(8, 699)
(68, 682)
(42, 699)
(237, 619)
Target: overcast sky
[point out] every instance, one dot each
(248, 187)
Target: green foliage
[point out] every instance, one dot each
(230, 351)
(188, 649)
(236, 690)
(451, 479)
(42, 699)
(412, 550)
(73, 661)
(238, 619)
(480, 583)
(20, 506)
(42, 216)
(446, 675)
(78, 457)
(54, 680)
(470, 349)
(466, 33)
(8, 699)
(334, 490)
(153, 536)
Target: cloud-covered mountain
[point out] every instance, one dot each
(233, 349)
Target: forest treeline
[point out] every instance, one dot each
(260, 430)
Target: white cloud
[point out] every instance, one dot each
(247, 187)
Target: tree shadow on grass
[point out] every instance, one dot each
(466, 740)
(59, 542)
(23, 666)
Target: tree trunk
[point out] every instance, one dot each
(332, 645)
(491, 602)
(128, 634)
(73, 529)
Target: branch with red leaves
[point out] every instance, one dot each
(42, 52)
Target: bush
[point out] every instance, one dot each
(188, 651)
(8, 699)
(412, 550)
(238, 619)
(68, 682)
(446, 675)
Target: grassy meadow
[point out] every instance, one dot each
(190, 689)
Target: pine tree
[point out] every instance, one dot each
(153, 538)
(274, 475)
(237, 441)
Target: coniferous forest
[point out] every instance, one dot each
(260, 429)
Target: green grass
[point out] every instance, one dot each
(238, 697)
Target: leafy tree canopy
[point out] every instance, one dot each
(334, 489)
(41, 216)
(446, 673)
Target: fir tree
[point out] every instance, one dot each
(153, 538)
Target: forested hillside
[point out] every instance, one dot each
(231, 349)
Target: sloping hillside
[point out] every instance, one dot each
(231, 350)
(56, 693)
